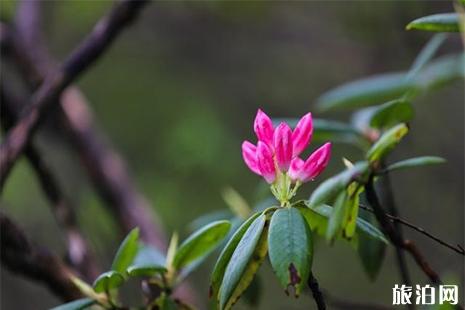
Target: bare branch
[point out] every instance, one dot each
(389, 229)
(104, 165)
(458, 248)
(78, 250)
(388, 199)
(79, 60)
(20, 256)
(316, 292)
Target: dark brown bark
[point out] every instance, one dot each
(80, 59)
(19, 255)
(78, 251)
(390, 231)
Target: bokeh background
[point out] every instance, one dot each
(177, 94)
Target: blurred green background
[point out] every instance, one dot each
(177, 94)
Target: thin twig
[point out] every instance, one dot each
(316, 292)
(391, 206)
(19, 255)
(78, 250)
(459, 249)
(391, 232)
(80, 59)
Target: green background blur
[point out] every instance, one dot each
(177, 94)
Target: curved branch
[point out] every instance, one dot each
(78, 250)
(80, 59)
(388, 228)
(19, 255)
(105, 167)
(459, 249)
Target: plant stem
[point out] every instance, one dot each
(393, 235)
(316, 292)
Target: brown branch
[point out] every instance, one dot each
(316, 292)
(78, 251)
(459, 249)
(104, 165)
(389, 229)
(388, 200)
(80, 59)
(19, 255)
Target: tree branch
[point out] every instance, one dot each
(20, 256)
(316, 292)
(388, 199)
(459, 249)
(80, 59)
(104, 165)
(78, 251)
(390, 231)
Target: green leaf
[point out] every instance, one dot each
(364, 227)
(78, 304)
(226, 253)
(107, 281)
(338, 217)
(353, 202)
(244, 263)
(171, 252)
(371, 251)
(330, 188)
(391, 113)
(325, 211)
(365, 92)
(317, 222)
(446, 22)
(426, 54)
(164, 302)
(290, 248)
(387, 142)
(441, 71)
(148, 270)
(236, 202)
(147, 255)
(416, 162)
(126, 252)
(200, 243)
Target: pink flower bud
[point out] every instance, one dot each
(315, 163)
(265, 162)
(302, 134)
(295, 168)
(282, 142)
(249, 153)
(263, 128)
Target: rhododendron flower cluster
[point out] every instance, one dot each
(276, 155)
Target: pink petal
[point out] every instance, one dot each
(265, 162)
(282, 142)
(294, 170)
(316, 163)
(249, 154)
(302, 134)
(263, 127)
